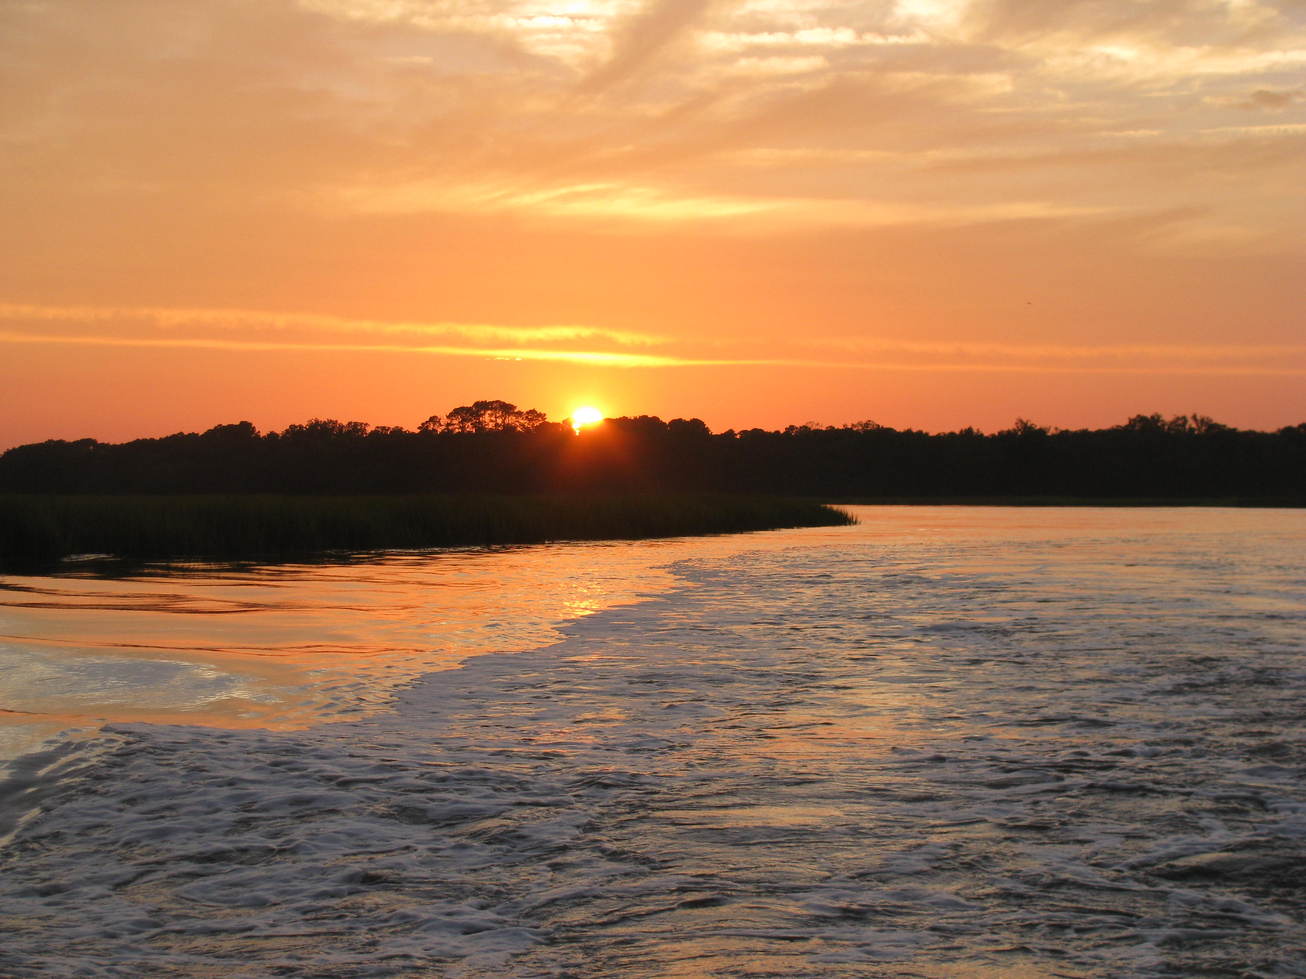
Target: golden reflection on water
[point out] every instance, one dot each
(831, 762)
(294, 643)
(287, 646)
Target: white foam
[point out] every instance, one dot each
(1094, 768)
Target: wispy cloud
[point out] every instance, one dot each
(636, 182)
(593, 357)
(1049, 353)
(629, 202)
(254, 319)
(639, 39)
(410, 107)
(856, 353)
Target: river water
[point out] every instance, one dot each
(945, 742)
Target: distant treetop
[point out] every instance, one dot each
(493, 446)
(485, 416)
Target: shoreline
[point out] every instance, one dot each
(37, 531)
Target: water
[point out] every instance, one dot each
(946, 742)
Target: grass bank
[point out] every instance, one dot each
(41, 529)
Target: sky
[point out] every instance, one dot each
(925, 213)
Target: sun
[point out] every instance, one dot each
(585, 415)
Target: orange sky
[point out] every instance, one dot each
(929, 213)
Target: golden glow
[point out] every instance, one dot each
(585, 415)
(970, 258)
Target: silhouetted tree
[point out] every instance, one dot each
(493, 446)
(491, 416)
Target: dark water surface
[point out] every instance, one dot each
(946, 742)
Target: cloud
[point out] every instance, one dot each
(613, 359)
(613, 203)
(636, 42)
(1176, 22)
(853, 353)
(1263, 99)
(601, 358)
(284, 107)
(1219, 153)
(232, 133)
(1045, 355)
(262, 320)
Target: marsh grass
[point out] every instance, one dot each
(39, 529)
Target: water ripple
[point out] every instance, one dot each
(1001, 755)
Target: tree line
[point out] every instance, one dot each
(494, 447)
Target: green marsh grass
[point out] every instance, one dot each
(41, 529)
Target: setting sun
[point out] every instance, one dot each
(585, 415)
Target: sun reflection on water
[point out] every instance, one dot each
(288, 646)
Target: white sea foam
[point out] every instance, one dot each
(1073, 747)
